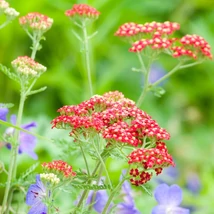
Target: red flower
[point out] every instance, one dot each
(148, 159)
(116, 118)
(83, 10)
(36, 21)
(141, 178)
(155, 43)
(155, 29)
(61, 167)
(193, 46)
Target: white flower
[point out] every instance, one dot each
(11, 12)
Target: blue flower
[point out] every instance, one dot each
(35, 197)
(128, 206)
(193, 183)
(125, 207)
(156, 72)
(3, 113)
(27, 142)
(99, 201)
(169, 198)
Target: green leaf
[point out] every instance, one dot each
(158, 91)
(26, 131)
(146, 188)
(6, 105)
(28, 171)
(7, 72)
(38, 90)
(91, 187)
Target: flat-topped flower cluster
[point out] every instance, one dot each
(119, 121)
(156, 36)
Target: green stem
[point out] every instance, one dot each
(15, 145)
(4, 24)
(13, 158)
(85, 192)
(87, 58)
(145, 85)
(36, 38)
(116, 189)
(103, 165)
(84, 157)
(177, 67)
(143, 68)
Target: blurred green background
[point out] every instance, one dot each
(186, 110)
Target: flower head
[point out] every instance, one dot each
(125, 206)
(3, 113)
(115, 117)
(146, 159)
(169, 198)
(61, 167)
(36, 195)
(129, 29)
(11, 13)
(193, 183)
(50, 178)
(152, 29)
(26, 141)
(128, 204)
(27, 67)
(3, 5)
(193, 46)
(82, 10)
(36, 21)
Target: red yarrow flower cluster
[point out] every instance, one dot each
(139, 178)
(147, 159)
(156, 29)
(61, 167)
(119, 121)
(116, 118)
(82, 10)
(155, 35)
(36, 21)
(154, 43)
(192, 46)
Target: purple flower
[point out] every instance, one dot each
(193, 183)
(128, 206)
(100, 200)
(125, 207)
(35, 197)
(27, 142)
(156, 72)
(169, 198)
(169, 175)
(3, 113)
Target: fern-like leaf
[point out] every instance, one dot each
(7, 72)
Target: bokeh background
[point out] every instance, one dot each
(186, 110)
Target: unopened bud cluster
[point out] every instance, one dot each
(36, 22)
(26, 66)
(50, 177)
(9, 12)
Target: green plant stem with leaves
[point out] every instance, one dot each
(85, 192)
(146, 71)
(24, 93)
(114, 192)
